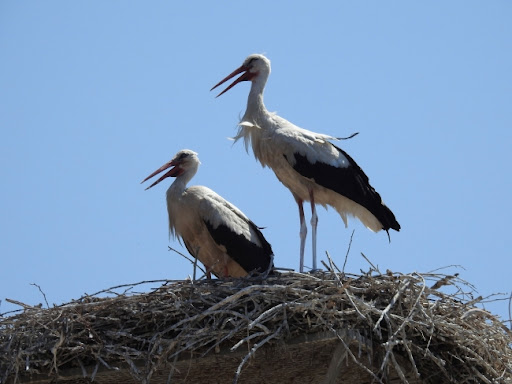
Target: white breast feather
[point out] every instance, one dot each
(280, 137)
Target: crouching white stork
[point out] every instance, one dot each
(311, 167)
(213, 230)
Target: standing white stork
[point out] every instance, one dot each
(213, 230)
(311, 167)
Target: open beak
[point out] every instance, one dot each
(173, 172)
(246, 76)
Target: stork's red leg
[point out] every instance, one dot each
(303, 231)
(314, 222)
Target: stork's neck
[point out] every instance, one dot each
(255, 106)
(180, 184)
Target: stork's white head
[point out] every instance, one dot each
(256, 67)
(257, 64)
(186, 159)
(185, 162)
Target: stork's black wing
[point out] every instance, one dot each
(350, 182)
(249, 255)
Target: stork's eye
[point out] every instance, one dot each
(182, 156)
(251, 61)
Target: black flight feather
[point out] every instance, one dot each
(350, 182)
(250, 256)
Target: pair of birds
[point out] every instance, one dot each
(219, 235)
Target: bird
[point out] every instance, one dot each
(306, 162)
(213, 230)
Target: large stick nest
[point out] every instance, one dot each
(408, 322)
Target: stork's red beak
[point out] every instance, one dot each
(174, 172)
(247, 76)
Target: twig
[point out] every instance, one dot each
(348, 250)
(253, 350)
(196, 257)
(193, 262)
(269, 268)
(369, 262)
(409, 353)
(246, 339)
(398, 369)
(173, 367)
(357, 362)
(266, 313)
(446, 267)
(25, 306)
(333, 267)
(40, 290)
(402, 288)
(510, 310)
(119, 286)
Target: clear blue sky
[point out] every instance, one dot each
(96, 95)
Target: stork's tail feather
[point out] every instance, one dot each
(388, 220)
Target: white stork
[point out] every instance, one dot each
(311, 167)
(213, 230)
